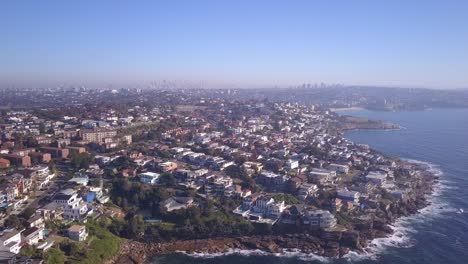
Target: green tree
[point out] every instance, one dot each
(27, 213)
(81, 160)
(55, 256)
(13, 222)
(52, 167)
(42, 128)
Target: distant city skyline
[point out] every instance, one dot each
(234, 44)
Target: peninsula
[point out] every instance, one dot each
(131, 174)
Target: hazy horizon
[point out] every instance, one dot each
(220, 44)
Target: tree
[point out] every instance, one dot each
(55, 256)
(52, 167)
(287, 198)
(42, 128)
(27, 213)
(168, 179)
(135, 226)
(234, 171)
(30, 142)
(81, 160)
(31, 251)
(13, 221)
(70, 249)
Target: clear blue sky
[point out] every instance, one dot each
(241, 43)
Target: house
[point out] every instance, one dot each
(219, 185)
(80, 180)
(321, 176)
(4, 163)
(307, 190)
(66, 197)
(275, 209)
(292, 164)
(36, 221)
(176, 203)
(339, 168)
(268, 207)
(272, 181)
(11, 241)
(74, 208)
(167, 166)
(8, 192)
(51, 211)
(32, 235)
(22, 183)
(43, 179)
(347, 195)
(248, 201)
(376, 178)
(256, 167)
(318, 218)
(77, 233)
(149, 177)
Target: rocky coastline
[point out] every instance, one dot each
(348, 123)
(327, 243)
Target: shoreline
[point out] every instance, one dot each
(320, 245)
(353, 108)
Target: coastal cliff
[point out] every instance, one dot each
(320, 242)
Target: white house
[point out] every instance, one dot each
(77, 232)
(32, 235)
(347, 195)
(319, 218)
(11, 241)
(321, 175)
(306, 190)
(74, 207)
(268, 207)
(149, 177)
(292, 164)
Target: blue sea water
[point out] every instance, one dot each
(439, 234)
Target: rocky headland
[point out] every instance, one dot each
(328, 243)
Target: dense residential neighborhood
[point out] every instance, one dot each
(184, 166)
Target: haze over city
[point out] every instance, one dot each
(238, 44)
(234, 132)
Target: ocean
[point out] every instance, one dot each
(439, 233)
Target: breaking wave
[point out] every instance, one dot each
(404, 227)
(288, 253)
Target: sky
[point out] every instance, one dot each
(417, 43)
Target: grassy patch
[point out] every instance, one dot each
(100, 246)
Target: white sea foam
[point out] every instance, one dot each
(288, 253)
(403, 228)
(243, 252)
